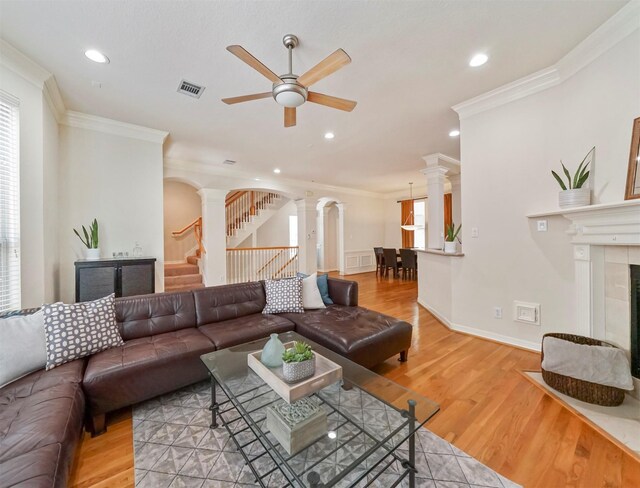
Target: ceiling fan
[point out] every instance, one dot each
(291, 90)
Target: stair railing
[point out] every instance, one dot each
(196, 225)
(241, 206)
(260, 263)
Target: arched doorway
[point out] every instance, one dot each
(330, 245)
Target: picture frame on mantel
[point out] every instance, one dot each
(633, 174)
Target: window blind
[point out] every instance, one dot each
(9, 203)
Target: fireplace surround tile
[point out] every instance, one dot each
(617, 319)
(616, 254)
(616, 277)
(634, 255)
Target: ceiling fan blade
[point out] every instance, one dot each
(248, 58)
(246, 98)
(324, 68)
(289, 117)
(333, 102)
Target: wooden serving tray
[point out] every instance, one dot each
(327, 373)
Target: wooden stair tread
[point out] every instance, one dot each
(182, 279)
(191, 286)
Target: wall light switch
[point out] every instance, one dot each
(474, 232)
(542, 226)
(497, 312)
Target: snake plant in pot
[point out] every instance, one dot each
(298, 362)
(90, 240)
(574, 192)
(450, 238)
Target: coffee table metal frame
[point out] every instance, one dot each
(390, 442)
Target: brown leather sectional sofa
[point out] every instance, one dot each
(165, 334)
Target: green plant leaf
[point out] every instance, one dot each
(559, 180)
(566, 173)
(582, 180)
(86, 235)
(80, 237)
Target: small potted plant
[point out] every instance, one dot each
(298, 362)
(90, 240)
(574, 193)
(450, 237)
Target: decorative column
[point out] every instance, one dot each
(321, 235)
(456, 199)
(589, 283)
(307, 239)
(435, 205)
(342, 209)
(214, 236)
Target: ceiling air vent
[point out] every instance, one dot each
(230, 162)
(190, 89)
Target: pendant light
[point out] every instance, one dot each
(406, 225)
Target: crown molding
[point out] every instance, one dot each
(17, 62)
(615, 29)
(199, 167)
(53, 98)
(115, 127)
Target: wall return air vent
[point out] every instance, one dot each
(190, 89)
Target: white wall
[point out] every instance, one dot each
(38, 201)
(117, 180)
(507, 155)
(182, 205)
(275, 231)
(51, 202)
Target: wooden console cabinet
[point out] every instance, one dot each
(123, 276)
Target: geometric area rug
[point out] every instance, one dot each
(174, 447)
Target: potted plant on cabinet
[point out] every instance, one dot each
(450, 237)
(574, 193)
(90, 240)
(298, 362)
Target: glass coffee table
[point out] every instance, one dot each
(372, 424)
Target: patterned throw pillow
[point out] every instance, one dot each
(283, 296)
(79, 330)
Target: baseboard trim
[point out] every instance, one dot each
(493, 336)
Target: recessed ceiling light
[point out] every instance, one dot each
(96, 56)
(257, 179)
(277, 171)
(454, 133)
(329, 135)
(478, 60)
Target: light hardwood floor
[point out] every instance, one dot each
(488, 409)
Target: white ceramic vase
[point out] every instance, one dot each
(576, 197)
(92, 254)
(450, 247)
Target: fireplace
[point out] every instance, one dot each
(635, 320)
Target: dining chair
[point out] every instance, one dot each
(379, 260)
(409, 259)
(391, 261)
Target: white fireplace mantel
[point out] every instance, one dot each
(605, 224)
(592, 228)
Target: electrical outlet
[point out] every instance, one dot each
(497, 312)
(542, 226)
(474, 232)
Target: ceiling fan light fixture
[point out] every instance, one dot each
(289, 99)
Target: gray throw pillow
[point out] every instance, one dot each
(283, 296)
(80, 329)
(22, 345)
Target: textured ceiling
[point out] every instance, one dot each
(409, 67)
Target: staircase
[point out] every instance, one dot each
(186, 276)
(183, 276)
(246, 211)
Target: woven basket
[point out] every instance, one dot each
(586, 391)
